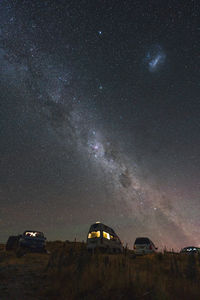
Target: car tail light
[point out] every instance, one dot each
(150, 247)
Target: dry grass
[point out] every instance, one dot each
(75, 274)
(69, 272)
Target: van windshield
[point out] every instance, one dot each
(93, 234)
(142, 241)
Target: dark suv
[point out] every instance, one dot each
(33, 240)
(190, 250)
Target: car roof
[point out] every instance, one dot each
(142, 237)
(190, 247)
(33, 231)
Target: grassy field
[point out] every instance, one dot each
(69, 272)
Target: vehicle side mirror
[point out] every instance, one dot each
(156, 248)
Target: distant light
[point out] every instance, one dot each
(99, 32)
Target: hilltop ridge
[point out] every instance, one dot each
(69, 272)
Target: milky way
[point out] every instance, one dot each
(136, 201)
(99, 121)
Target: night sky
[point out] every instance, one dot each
(99, 119)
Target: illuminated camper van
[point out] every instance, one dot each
(104, 237)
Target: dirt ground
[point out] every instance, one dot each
(22, 278)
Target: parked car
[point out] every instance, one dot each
(190, 250)
(144, 245)
(101, 236)
(12, 242)
(33, 240)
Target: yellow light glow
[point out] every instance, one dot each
(33, 234)
(94, 234)
(106, 235)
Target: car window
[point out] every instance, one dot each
(34, 234)
(142, 241)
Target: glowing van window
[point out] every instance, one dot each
(106, 235)
(94, 234)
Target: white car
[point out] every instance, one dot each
(144, 245)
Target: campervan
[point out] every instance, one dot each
(101, 236)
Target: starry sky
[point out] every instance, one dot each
(99, 119)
